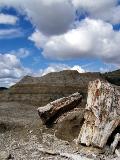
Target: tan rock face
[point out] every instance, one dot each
(102, 114)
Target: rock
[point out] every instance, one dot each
(46, 151)
(102, 114)
(53, 110)
(68, 125)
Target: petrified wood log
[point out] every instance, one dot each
(115, 142)
(117, 151)
(54, 109)
(102, 114)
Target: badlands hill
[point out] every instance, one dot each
(113, 77)
(2, 89)
(42, 90)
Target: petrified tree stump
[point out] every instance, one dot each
(54, 109)
(102, 114)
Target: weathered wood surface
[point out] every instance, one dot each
(117, 151)
(102, 114)
(56, 108)
(115, 142)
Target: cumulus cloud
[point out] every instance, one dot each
(94, 5)
(91, 38)
(50, 16)
(11, 69)
(38, 38)
(57, 68)
(8, 19)
(107, 10)
(61, 37)
(56, 16)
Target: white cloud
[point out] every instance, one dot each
(56, 16)
(60, 39)
(107, 10)
(38, 38)
(10, 33)
(94, 5)
(78, 68)
(57, 68)
(7, 82)
(20, 53)
(11, 69)
(91, 38)
(50, 16)
(8, 19)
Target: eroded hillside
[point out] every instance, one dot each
(42, 90)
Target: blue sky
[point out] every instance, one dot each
(42, 36)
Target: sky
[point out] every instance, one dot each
(42, 36)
